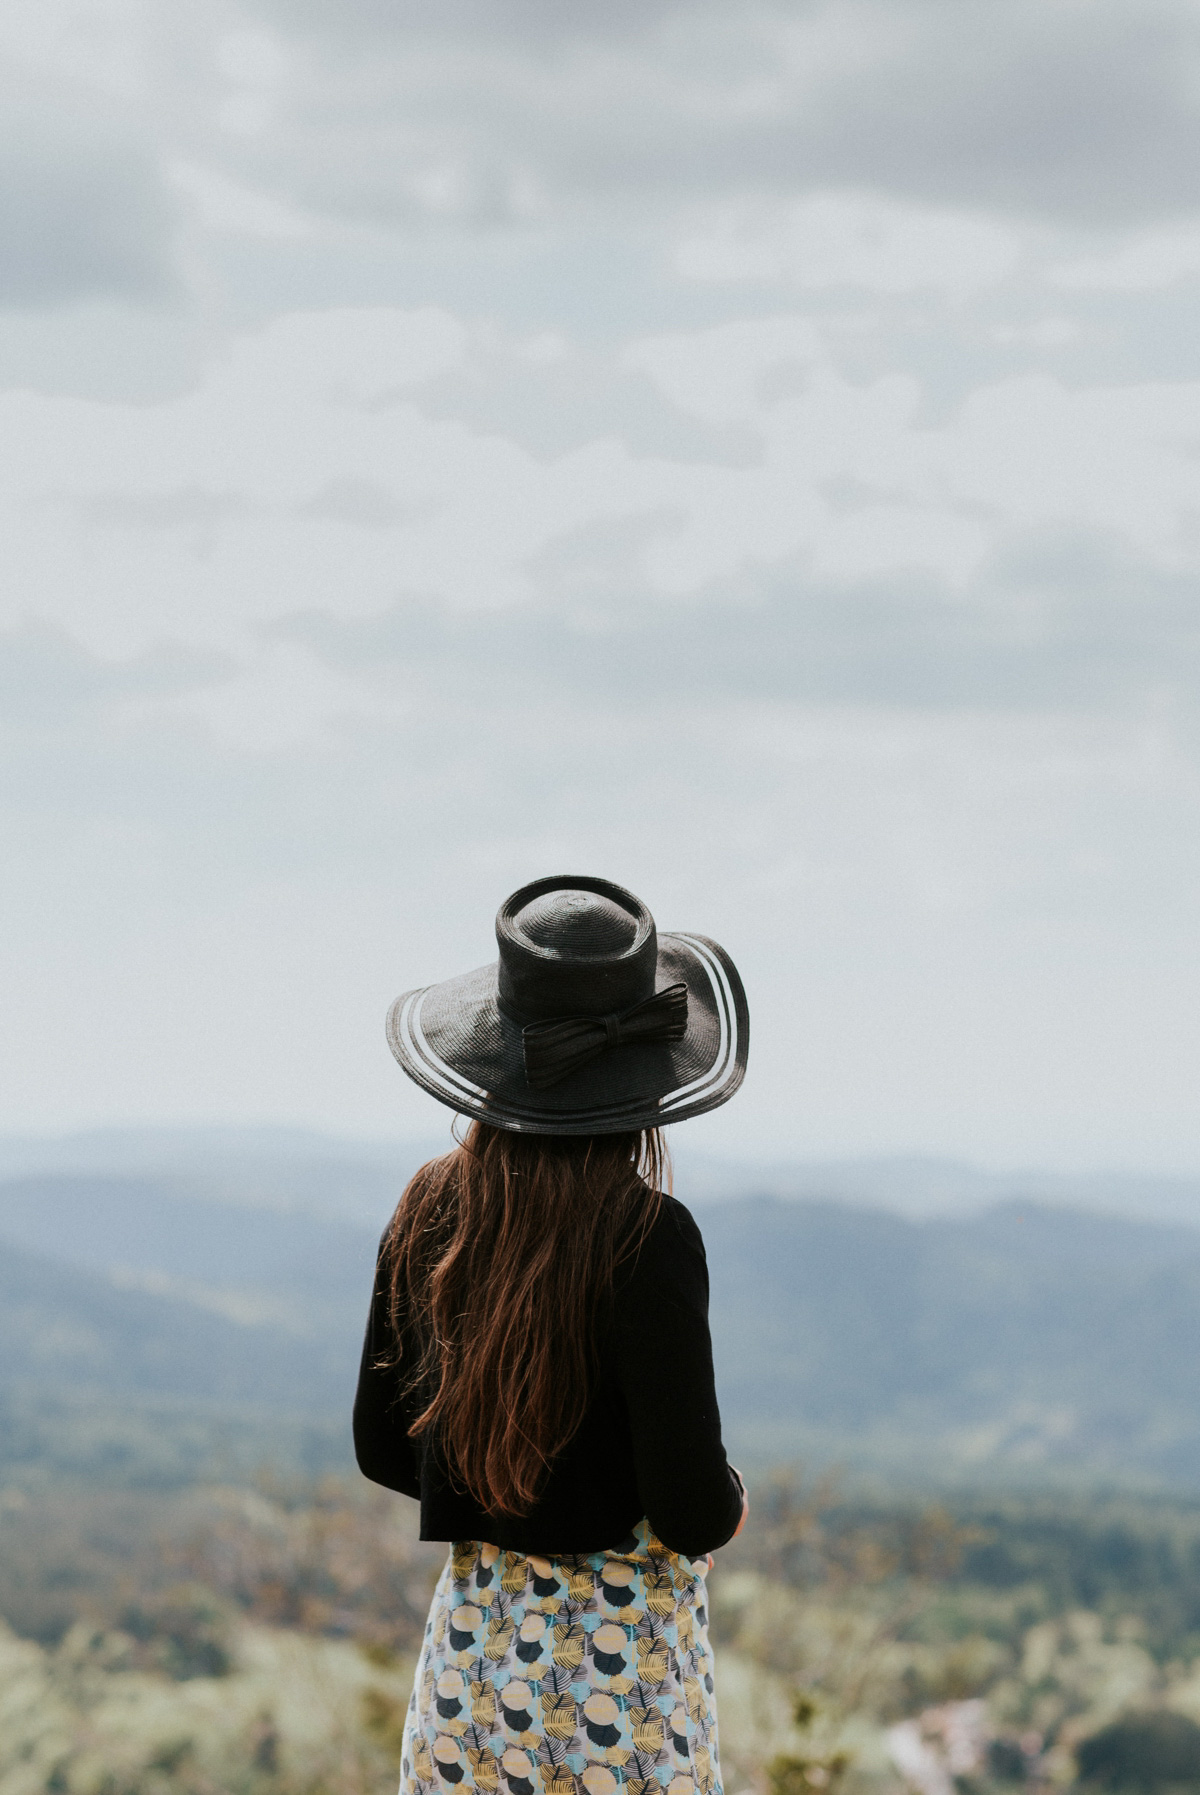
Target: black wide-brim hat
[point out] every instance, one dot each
(590, 1022)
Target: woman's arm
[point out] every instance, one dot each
(382, 1446)
(663, 1355)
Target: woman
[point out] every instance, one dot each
(537, 1369)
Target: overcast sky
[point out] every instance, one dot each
(748, 451)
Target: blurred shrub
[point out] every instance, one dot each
(183, 1632)
(383, 1718)
(1142, 1751)
(802, 1773)
(806, 1536)
(1006, 1762)
(333, 1558)
(837, 1622)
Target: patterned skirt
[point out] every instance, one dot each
(565, 1676)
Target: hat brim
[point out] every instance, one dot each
(455, 1042)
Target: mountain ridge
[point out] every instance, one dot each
(1028, 1339)
(291, 1167)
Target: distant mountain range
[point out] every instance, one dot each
(167, 1299)
(292, 1168)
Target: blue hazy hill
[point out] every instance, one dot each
(1022, 1340)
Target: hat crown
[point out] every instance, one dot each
(576, 924)
(574, 946)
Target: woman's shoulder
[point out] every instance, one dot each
(676, 1224)
(671, 1251)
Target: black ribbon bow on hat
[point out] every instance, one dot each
(553, 1050)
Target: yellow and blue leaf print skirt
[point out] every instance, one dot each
(565, 1676)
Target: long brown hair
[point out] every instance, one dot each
(501, 1256)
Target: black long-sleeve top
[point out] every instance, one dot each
(650, 1442)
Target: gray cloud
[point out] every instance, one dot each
(551, 407)
(954, 829)
(953, 909)
(362, 502)
(536, 23)
(183, 508)
(1089, 111)
(1055, 624)
(471, 116)
(83, 208)
(47, 679)
(1036, 106)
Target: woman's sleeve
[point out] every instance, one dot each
(382, 1446)
(663, 1355)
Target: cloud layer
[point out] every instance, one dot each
(285, 113)
(1077, 110)
(749, 451)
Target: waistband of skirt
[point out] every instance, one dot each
(639, 1548)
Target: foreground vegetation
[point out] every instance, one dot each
(261, 1640)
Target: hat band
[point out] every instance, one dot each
(555, 1049)
(714, 990)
